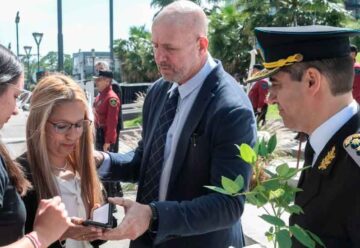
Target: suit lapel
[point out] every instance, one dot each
(310, 179)
(195, 115)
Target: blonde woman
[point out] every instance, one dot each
(59, 155)
(51, 219)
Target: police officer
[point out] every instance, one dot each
(311, 73)
(257, 95)
(106, 109)
(106, 112)
(104, 66)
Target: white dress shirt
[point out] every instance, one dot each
(187, 95)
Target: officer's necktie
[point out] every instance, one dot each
(154, 167)
(308, 157)
(309, 154)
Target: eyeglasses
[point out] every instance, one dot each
(23, 97)
(64, 127)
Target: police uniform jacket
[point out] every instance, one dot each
(106, 111)
(330, 198)
(258, 94)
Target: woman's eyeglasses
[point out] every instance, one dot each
(64, 127)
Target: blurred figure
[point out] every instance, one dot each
(59, 158)
(356, 83)
(51, 219)
(258, 94)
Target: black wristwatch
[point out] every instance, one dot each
(154, 222)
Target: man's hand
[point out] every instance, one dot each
(135, 223)
(99, 158)
(106, 147)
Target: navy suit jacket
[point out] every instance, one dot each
(191, 215)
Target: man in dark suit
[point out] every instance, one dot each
(311, 72)
(213, 113)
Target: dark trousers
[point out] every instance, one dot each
(113, 188)
(260, 116)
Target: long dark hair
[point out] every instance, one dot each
(10, 70)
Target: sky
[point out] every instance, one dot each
(85, 23)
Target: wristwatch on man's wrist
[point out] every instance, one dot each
(154, 221)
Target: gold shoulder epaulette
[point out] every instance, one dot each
(352, 147)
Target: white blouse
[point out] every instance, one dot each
(70, 190)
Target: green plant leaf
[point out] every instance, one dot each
(273, 220)
(273, 194)
(270, 173)
(272, 185)
(269, 236)
(229, 185)
(283, 238)
(272, 144)
(302, 236)
(282, 170)
(218, 189)
(316, 238)
(262, 149)
(292, 172)
(247, 154)
(240, 182)
(294, 209)
(251, 199)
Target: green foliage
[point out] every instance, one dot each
(231, 28)
(136, 55)
(270, 191)
(136, 122)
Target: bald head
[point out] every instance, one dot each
(185, 15)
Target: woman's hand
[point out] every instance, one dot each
(81, 232)
(51, 220)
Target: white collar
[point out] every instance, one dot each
(320, 137)
(197, 80)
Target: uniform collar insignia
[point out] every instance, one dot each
(328, 159)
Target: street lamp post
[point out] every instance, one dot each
(17, 20)
(38, 38)
(93, 60)
(28, 54)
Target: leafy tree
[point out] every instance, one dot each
(68, 64)
(231, 27)
(135, 53)
(50, 62)
(227, 41)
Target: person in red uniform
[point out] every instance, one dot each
(356, 83)
(257, 95)
(106, 109)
